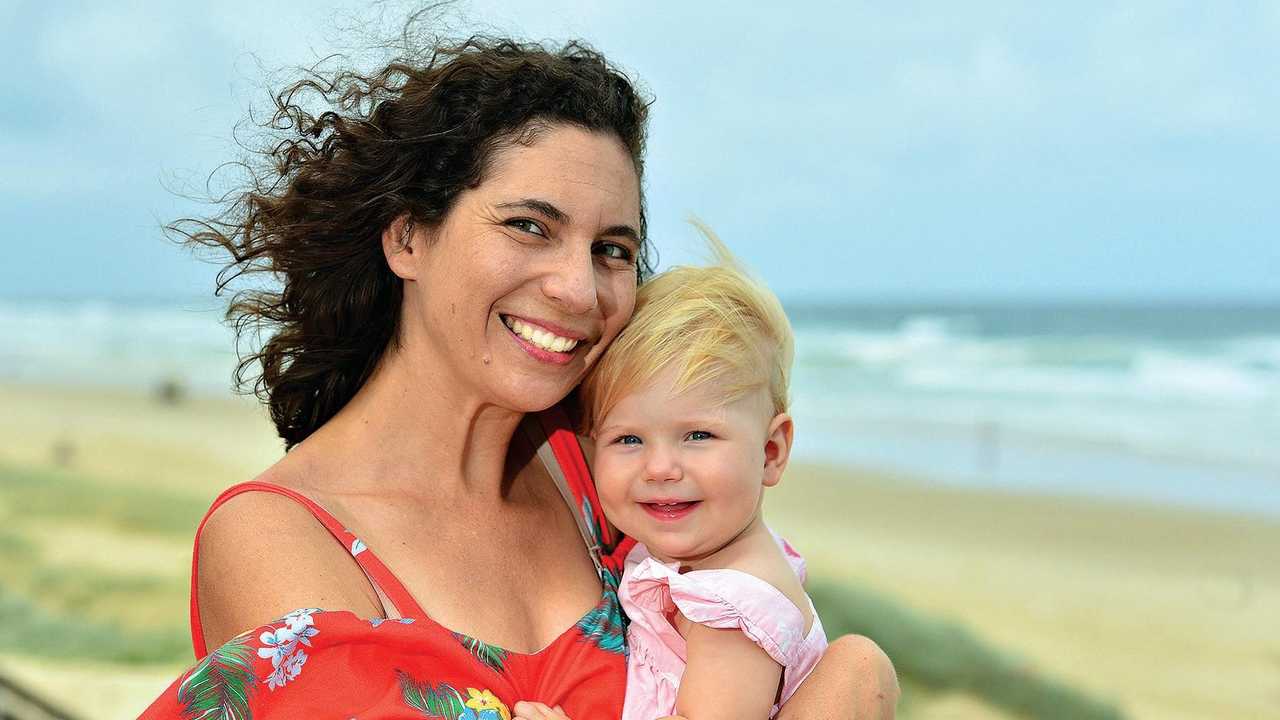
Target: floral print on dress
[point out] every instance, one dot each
(446, 702)
(605, 625)
(281, 646)
(377, 622)
(220, 685)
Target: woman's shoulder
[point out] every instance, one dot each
(262, 553)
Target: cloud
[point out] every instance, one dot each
(867, 135)
(1184, 70)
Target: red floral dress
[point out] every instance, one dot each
(317, 664)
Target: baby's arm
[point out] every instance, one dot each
(728, 676)
(526, 710)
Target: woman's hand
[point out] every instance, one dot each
(525, 710)
(854, 680)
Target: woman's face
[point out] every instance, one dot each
(531, 274)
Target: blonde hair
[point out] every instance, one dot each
(712, 323)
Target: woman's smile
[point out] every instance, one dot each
(542, 340)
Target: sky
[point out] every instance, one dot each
(848, 152)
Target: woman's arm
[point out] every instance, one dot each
(854, 680)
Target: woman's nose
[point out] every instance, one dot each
(572, 281)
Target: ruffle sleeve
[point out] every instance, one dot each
(722, 599)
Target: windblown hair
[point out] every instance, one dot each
(401, 142)
(714, 324)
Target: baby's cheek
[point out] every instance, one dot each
(608, 485)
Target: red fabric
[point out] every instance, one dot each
(313, 663)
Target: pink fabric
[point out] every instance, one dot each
(650, 590)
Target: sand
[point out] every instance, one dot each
(1170, 613)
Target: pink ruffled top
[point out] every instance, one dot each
(721, 599)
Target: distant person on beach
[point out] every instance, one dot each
(457, 237)
(688, 411)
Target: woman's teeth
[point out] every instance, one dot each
(539, 337)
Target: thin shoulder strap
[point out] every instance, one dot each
(382, 578)
(562, 455)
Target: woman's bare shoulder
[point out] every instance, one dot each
(262, 555)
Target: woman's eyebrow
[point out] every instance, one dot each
(625, 231)
(556, 215)
(542, 207)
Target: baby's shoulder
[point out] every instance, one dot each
(766, 561)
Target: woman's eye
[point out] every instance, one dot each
(614, 251)
(699, 435)
(627, 440)
(526, 225)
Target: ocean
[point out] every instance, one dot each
(1169, 404)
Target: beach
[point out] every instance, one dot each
(1164, 612)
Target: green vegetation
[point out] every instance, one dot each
(31, 630)
(77, 610)
(44, 494)
(938, 655)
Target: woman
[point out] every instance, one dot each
(458, 242)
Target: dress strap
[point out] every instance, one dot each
(379, 575)
(563, 457)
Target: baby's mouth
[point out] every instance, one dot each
(670, 510)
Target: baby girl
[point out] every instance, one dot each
(688, 410)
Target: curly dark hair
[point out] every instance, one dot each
(402, 141)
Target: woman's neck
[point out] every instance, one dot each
(406, 425)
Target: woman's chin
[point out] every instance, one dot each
(534, 397)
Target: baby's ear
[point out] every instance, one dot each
(777, 448)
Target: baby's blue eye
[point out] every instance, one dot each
(699, 435)
(627, 440)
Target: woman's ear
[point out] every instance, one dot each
(402, 243)
(777, 448)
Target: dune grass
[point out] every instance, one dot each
(33, 631)
(75, 608)
(45, 494)
(939, 655)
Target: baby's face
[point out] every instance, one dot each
(682, 473)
